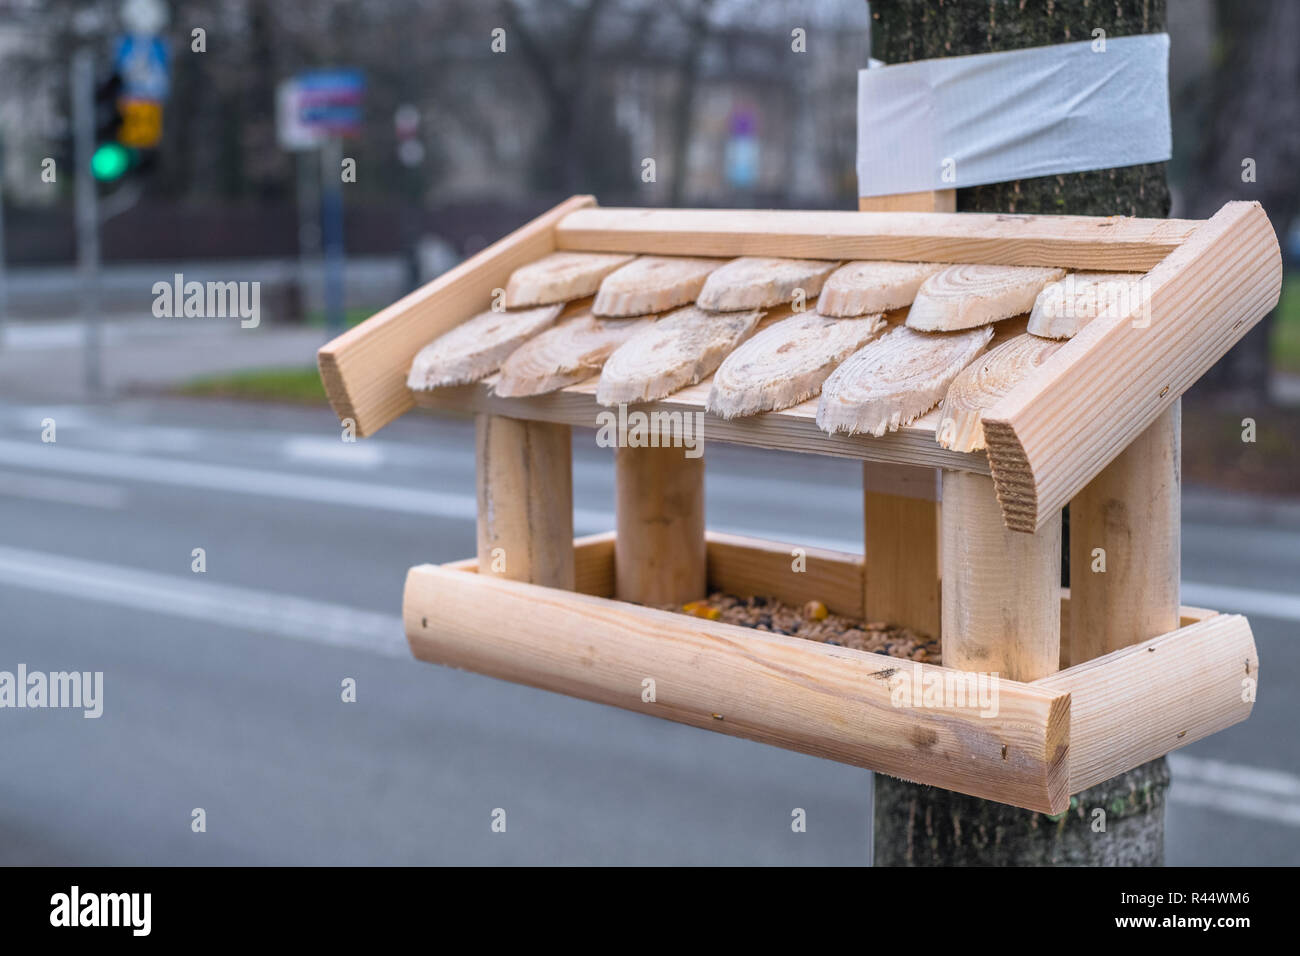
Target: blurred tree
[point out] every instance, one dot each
(695, 17)
(584, 92)
(558, 46)
(1251, 150)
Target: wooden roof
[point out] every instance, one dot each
(1059, 415)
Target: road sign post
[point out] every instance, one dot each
(316, 110)
(87, 213)
(331, 155)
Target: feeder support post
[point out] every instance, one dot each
(525, 500)
(1001, 588)
(901, 515)
(1125, 544)
(659, 547)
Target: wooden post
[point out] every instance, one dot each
(1001, 589)
(900, 505)
(659, 548)
(900, 511)
(938, 200)
(1124, 546)
(525, 500)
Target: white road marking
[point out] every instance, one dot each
(198, 599)
(1239, 803)
(274, 484)
(67, 491)
(360, 494)
(1277, 783)
(134, 440)
(1283, 607)
(1272, 796)
(47, 335)
(1268, 795)
(25, 417)
(102, 433)
(333, 451)
(43, 335)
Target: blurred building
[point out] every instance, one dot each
(31, 118)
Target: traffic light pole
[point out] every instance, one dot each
(4, 276)
(309, 227)
(83, 119)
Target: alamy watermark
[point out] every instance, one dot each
(639, 429)
(128, 910)
(916, 686)
(81, 690)
(208, 300)
(1077, 297)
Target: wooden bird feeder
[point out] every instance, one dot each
(963, 489)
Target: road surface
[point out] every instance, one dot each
(222, 690)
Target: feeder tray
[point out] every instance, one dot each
(962, 536)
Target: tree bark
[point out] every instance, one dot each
(922, 826)
(925, 826)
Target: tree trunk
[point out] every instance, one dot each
(697, 22)
(561, 62)
(923, 826)
(905, 30)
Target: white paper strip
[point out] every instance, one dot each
(994, 117)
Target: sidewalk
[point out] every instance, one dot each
(45, 360)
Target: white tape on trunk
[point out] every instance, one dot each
(995, 117)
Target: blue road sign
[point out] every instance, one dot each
(142, 62)
(329, 101)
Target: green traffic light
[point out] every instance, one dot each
(110, 161)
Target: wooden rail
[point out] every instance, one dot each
(1050, 738)
(1112, 244)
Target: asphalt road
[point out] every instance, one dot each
(222, 689)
